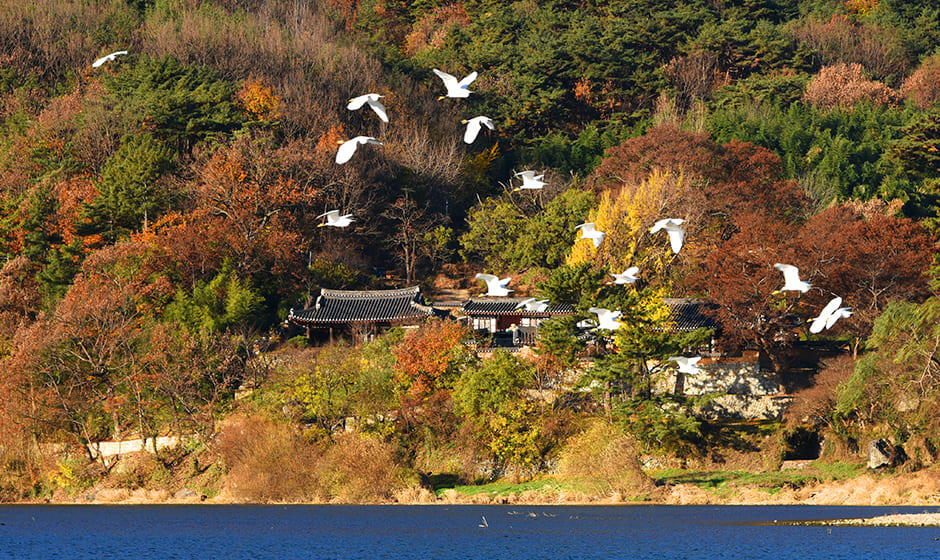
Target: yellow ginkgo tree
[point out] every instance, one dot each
(627, 214)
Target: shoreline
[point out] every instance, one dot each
(906, 490)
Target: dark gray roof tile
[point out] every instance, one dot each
(345, 306)
(687, 314)
(507, 306)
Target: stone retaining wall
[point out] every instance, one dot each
(109, 449)
(742, 390)
(733, 378)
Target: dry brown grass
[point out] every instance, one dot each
(360, 468)
(920, 488)
(607, 458)
(267, 462)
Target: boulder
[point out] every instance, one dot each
(185, 494)
(880, 454)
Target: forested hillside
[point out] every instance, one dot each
(160, 211)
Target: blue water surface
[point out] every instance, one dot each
(453, 532)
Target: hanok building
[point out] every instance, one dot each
(503, 318)
(361, 314)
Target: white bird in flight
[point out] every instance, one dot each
(348, 148)
(529, 180)
(455, 88)
(372, 99)
(829, 315)
(495, 286)
(687, 365)
(673, 227)
(533, 305)
(606, 319)
(588, 232)
(473, 127)
(791, 279)
(107, 58)
(334, 219)
(629, 276)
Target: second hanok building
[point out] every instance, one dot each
(361, 314)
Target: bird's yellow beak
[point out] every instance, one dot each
(441, 98)
(465, 121)
(320, 225)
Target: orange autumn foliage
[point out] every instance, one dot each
(259, 100)
(429, 358)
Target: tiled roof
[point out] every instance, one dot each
(507, 306)
(689, 314)
(342, 306)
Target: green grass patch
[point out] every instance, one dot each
(501, 489)
(725, 483)
(839, 470)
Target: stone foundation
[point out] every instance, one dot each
(742, 390)
(745, 407)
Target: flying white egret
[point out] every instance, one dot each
(791, 279)
(533, 305)
(455, 88)
(606, 319)
(495, 286)
(107, 58)
(529, 180)
(829, 315)
(686, 365)
(629, 276)
(348, 148)
(334, 219)
(589, 232)
(673, 227)
(372, 99)
(473, 127)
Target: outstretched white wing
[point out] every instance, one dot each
(791, 278)
(530, 180)
(348, 148)
(372, 99)
(467, 80)
(473, 128)
(606, 318)
(455, 88)
(686, 364)
(106, 58)
(628, 276)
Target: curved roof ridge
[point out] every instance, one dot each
(395, 292)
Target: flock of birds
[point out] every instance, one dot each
(496, 287)
(457, 89)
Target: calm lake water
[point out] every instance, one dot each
(452, 532)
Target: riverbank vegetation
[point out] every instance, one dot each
(159, 220)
